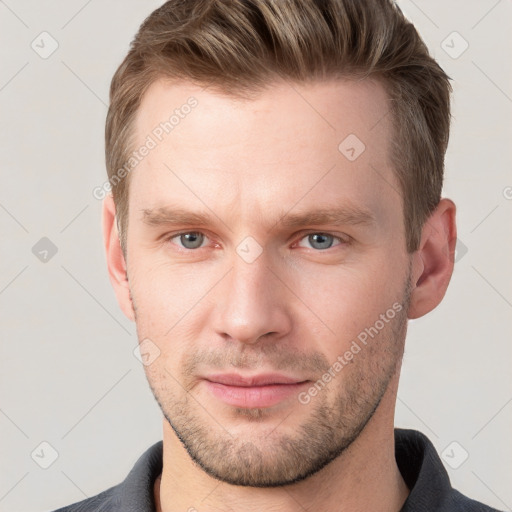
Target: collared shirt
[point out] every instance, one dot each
(416, 457)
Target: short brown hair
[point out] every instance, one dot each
(240, 46)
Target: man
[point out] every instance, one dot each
(276, 218)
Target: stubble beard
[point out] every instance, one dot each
(267, 457)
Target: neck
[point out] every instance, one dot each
(364, 477)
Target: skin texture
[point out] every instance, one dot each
(294, 309)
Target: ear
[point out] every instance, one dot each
(116, 263)
(433, 261)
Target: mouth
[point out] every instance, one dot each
(257, 391)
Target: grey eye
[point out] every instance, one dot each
(320, 241)
(192, 240)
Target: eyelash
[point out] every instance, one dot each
(341, 240)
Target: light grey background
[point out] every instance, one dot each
(68, 374)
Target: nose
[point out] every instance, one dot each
(251, 303)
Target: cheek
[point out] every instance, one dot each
(347, 300)
(171, 304)
(164, 294)
(163, 380)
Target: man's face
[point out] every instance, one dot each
(252, 303)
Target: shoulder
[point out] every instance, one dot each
(135, 492)
(102, 502)
(427, 478)
(457, 502)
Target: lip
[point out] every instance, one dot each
(255, 391)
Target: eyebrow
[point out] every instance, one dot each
(173, 216)
(345, 215)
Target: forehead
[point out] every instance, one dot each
(327, 139)
(336, 105)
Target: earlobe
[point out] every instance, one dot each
(434, 260)
(116, 263)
